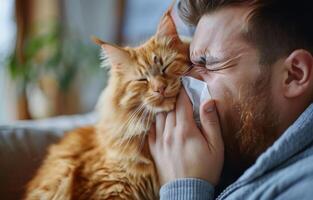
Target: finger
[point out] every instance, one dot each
(160, 124)
(210, 124)
(152, 138)
(183, 108)
(170, 121)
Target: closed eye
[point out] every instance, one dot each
(214, 68)
(164, 69)
(142, 79)
(201, 61)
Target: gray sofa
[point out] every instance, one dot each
(23, 145)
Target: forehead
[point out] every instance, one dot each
(220, 32)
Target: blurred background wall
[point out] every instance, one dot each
(48, 65)
(7, 40)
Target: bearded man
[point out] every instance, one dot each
(256, 136)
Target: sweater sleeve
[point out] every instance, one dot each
(187, 189)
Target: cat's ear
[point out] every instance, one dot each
(167, 26)
(115, 55)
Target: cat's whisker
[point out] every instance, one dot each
(137, 123)
(133, 116)
(175, 86)
(125, 143)
(143, 137)
(187, 71)
(128, 125)
(133, 120)
(125, 127)
(150, 98)
(145, 120)
(138, 118)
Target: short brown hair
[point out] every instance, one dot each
(275, 27)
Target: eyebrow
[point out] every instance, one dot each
(227, 63)
(206, 60)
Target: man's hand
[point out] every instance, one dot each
(181, 150)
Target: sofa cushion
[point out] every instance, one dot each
(23, 145)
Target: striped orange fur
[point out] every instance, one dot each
(111, 159)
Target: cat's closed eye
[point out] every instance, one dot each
(165, 68)
(142, 80)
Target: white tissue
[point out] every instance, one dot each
(198, 92)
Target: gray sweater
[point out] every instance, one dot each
(284, 171)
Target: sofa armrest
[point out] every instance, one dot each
(23, 145)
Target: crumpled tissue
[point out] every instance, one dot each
(197, 92)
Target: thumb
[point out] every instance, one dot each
(210, 125)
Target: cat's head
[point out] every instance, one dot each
(148, 76)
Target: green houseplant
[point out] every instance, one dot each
(51, 64)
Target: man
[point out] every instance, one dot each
(256, 58)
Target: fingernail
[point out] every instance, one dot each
(210, 107)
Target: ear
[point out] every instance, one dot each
(298, 75)
(167, 26)
(116, 56)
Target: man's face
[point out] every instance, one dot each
(240, 86)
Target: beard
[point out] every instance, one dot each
(251, 124)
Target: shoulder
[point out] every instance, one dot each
(294, 180)
(291, 180)
(303, 189)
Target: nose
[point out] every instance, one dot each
(159, 88)
(158, 85)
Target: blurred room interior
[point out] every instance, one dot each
(48, 64)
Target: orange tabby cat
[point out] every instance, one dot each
(111, 160)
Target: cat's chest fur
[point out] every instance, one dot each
(80, 167)
(100, 176)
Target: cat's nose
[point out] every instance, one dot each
(160, 89)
